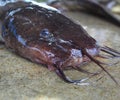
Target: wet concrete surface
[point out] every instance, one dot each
(21, 79)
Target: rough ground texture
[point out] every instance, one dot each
(21, 79)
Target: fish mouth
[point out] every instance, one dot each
(76, 60)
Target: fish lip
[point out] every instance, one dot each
(75, 59)
(93, 51)
(74, 62)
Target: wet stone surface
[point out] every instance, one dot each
(21, 79)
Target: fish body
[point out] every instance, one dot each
(101, 8)
(47, 37)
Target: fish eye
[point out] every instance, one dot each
(44, 33)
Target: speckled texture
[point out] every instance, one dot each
(21, 79)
